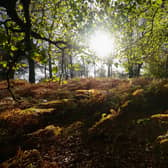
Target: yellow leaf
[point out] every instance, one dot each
(163, 141)
(137, 92)
(160, 116)
(165, 86)
(125, 103)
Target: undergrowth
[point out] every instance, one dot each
(85, 123)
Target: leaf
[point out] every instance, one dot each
(164, 141)
(55, 69)
(13, 48)
(65, 82)
(160, 116)
(116, 65)
(125, 103)
(3, 63)
(138, 92)
(142, 120)
(20, 6)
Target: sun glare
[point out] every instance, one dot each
(101, 43)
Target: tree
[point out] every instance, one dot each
(56, 27)
(142, 25)
(26, 27)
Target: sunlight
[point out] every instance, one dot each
(102, 43)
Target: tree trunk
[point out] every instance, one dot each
(109, 70)
(166, 66)
(50, 66)
(62, 67)
(71, 68)
(84, 67)
(49, 49)
(45, 71)
(134, 70)
(138, 69)
(94, 64)
(130, 71)
(31, 70)
(28, 46)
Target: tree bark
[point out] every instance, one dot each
(62, 67)
(28, 45)
(71, 68)
(31, 70)
(109, 70)
(50, 62)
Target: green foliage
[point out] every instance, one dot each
(4, 64)
(139, 28)
(55, 69)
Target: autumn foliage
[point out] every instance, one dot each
(84, 123)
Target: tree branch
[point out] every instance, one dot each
(12, 13)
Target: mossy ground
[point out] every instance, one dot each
(85, 123)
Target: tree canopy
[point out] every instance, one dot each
(56, 34)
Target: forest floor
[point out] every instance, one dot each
(85, 123)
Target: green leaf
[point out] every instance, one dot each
(3, 63)
(55, 69)
(116, 65)
(13, 48)
(159, 2)
(142, 120)
(20, 6)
